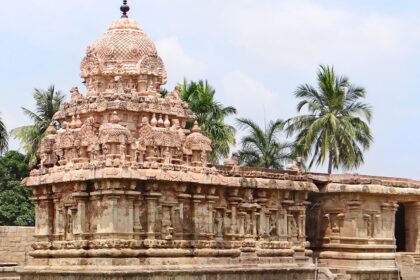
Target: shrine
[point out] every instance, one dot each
(125, 191)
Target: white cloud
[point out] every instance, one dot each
(253, 99)
(301, 34)
(178, 63)
(284, 41)
(254, 52)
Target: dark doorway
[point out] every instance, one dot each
(400, 228)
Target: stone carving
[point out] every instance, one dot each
(219, 223)
(233, 160)
(296, 165)
(75, 94)
(122, 180)
(197, 146)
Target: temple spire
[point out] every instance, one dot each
(124, 9)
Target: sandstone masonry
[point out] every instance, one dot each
(125, 191)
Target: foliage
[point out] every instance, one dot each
(3, 137)
(15, 206)
(262, 147)
(335, 127)
(210, 115)
(163, 92)
(47, 103)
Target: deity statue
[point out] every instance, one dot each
(273, 224)
(123, 151)
(167, 225)
(119, 84)
(75, 94)
(219, 223)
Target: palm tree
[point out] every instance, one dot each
(210, 115)
(163, 92)
(47, 103)
(262, 147)
(335, 127)
(3, 137)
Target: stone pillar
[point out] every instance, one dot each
(262, 201)
(254, 223)
(132, 220)
(183, 198)
(60, 220)
(211, 199)
(388, 210)
(130, 206)
(234, 200)
(151, 198)
(37, 214)
(286, 203)
(43, 217)
(267, 223)
(95, 219)
(58, 212)
(412, 226)
(197, 218)
(137, 210)
(80, 221)
(241, 224)
(302, 225)
(73, 211)
(282, 224)
(416, 210)
(356, 222)
(109, 220)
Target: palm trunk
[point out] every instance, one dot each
(330, 164)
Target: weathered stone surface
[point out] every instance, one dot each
(219, 274)
(124, 191)
(15, 245)
(122, 182)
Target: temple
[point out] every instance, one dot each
(125, 191)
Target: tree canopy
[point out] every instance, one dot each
(15, 207)
(3, 137)
(335, 128)
(47, 103)
(262, 147)
(210, 115)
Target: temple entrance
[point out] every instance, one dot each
(406, 227)
(399, 229)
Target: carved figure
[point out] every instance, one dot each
(167, 225)
(219, 220)
(75, 94)
(233, 160)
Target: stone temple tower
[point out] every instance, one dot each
(124, 189)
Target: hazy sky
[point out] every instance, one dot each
(255, 52)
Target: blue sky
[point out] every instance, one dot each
(254, 52)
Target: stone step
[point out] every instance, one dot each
(303, 259)
(335, 273)
(341, 276)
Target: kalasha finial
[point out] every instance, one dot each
(124, 9)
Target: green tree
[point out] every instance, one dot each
(336, 127)
(16, 208)
(263, 147)
(47, 103)
(163, 92)
(210, 115)
(3, 137)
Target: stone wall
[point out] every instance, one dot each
(15, 244)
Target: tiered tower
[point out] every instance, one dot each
(124, 190)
